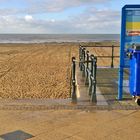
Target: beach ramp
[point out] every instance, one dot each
(98, 86)
(83, 92)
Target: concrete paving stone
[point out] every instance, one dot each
(35, 138)
(128, 135)
(77, 125)
(73, 138)
(54, 135)
(111, 137)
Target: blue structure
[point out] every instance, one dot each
(130, 34)
(134, 83)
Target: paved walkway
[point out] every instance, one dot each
(106, 90)
(107, 82)
(69, 125)
(83, 90)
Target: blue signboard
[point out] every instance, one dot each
(130, 34)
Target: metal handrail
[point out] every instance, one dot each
(73, 80)
(88, 66)
(112, 52)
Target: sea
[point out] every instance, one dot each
(44, 38)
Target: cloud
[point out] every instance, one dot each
(27, 24)
(9, 11)
(45, 6)
(52, 20)
(98, 21)
(28, 18)
(59, 5)
(91, 21)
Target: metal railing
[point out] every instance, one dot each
(112, 56)
(73, 80)
(88, 66)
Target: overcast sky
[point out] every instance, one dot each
(61, 16)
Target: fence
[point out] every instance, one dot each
(88, 66)
(112, 56)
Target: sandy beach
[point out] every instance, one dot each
(35, 71)
(62, 71)
(43, 71)
(40, 70)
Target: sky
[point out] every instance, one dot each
(61, 16)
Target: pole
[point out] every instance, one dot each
(93, 95)
(74, 98)
(123, 32)
(87, 68)
(83, 65)
(91, 75)
(80, 56)
(112, 57)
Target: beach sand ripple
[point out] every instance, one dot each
(35, 71)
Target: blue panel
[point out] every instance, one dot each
(135, 74)
(130, 13)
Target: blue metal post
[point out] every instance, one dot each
(122, 46)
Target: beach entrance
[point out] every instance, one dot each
(37, 76)
(96, 83)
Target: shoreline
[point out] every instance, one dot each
(38, 42)
(58, 38)
(111, 42)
